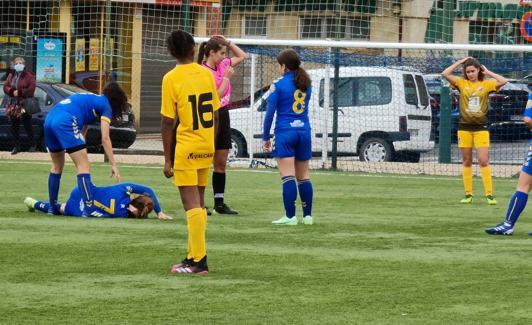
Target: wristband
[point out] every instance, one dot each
(225, 78)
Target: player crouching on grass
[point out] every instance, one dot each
(289, 100)
(524, 184)
(110, 202)
(189, 97)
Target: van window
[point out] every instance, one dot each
(422, 90)
(410, 90)
(360, 91)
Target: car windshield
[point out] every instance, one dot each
(67, 90)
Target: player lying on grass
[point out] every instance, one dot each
(110, 202)
(524, 184)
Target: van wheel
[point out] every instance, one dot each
(238, 146)
(376, 150)
(408, 156)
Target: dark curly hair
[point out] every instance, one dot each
(180, 44)
(117, 98)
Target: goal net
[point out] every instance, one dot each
(375, 67)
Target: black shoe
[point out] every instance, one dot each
(32, 149)
(191, 267)
(15, 150)
(209, 212)
(224, 209)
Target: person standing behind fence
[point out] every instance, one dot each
(189, 96)
(213, 55)
(472, 125)
(20, 84)
(289, 100)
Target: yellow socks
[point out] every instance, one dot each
(196, 225)
(485, 172)
(467, 176)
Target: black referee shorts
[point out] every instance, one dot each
(223, 138)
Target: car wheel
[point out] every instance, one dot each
(408, 156)
(376, 150)
(238, 146)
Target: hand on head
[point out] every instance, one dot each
(221, 39)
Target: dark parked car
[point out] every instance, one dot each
(123, 132)
(505, 114)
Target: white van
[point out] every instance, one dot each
(383, 115)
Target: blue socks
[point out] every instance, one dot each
(289, 195)
(54, 180)
(85, 188)
(306, 193)
(45, 206)
(515, 207)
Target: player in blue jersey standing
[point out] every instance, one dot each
(524, 184)
(65, 128)
(110, 202)
(288, 101)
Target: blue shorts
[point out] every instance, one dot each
(527, 165)
(62, 132)
(292, 143)
(74, 204)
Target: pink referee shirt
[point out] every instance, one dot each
(218, 74)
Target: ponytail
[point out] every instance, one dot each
(292, 62)
(201, 52)
(302, 79)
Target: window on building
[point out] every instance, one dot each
(335, 28)
(441, 3)
(255, 27)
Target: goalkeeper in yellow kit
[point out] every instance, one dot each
(189, 98)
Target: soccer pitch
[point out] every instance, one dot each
(385, 249)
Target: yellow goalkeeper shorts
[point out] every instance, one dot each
(470, 139)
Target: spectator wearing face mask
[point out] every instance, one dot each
(20, 84)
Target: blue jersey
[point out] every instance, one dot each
(65, 122)
(110, 201)
(86, 108)
(289, 104)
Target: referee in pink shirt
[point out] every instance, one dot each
(213, 56)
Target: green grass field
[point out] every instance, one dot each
(385, 250)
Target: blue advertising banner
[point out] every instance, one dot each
(49, 60)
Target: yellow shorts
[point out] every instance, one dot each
(470, 139)
(191, 177)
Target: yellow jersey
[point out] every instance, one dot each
(189, 93)
(474, 103)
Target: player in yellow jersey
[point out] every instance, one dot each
(472, 125)
(189, 98)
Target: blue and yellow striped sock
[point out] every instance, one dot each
(85, 188)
